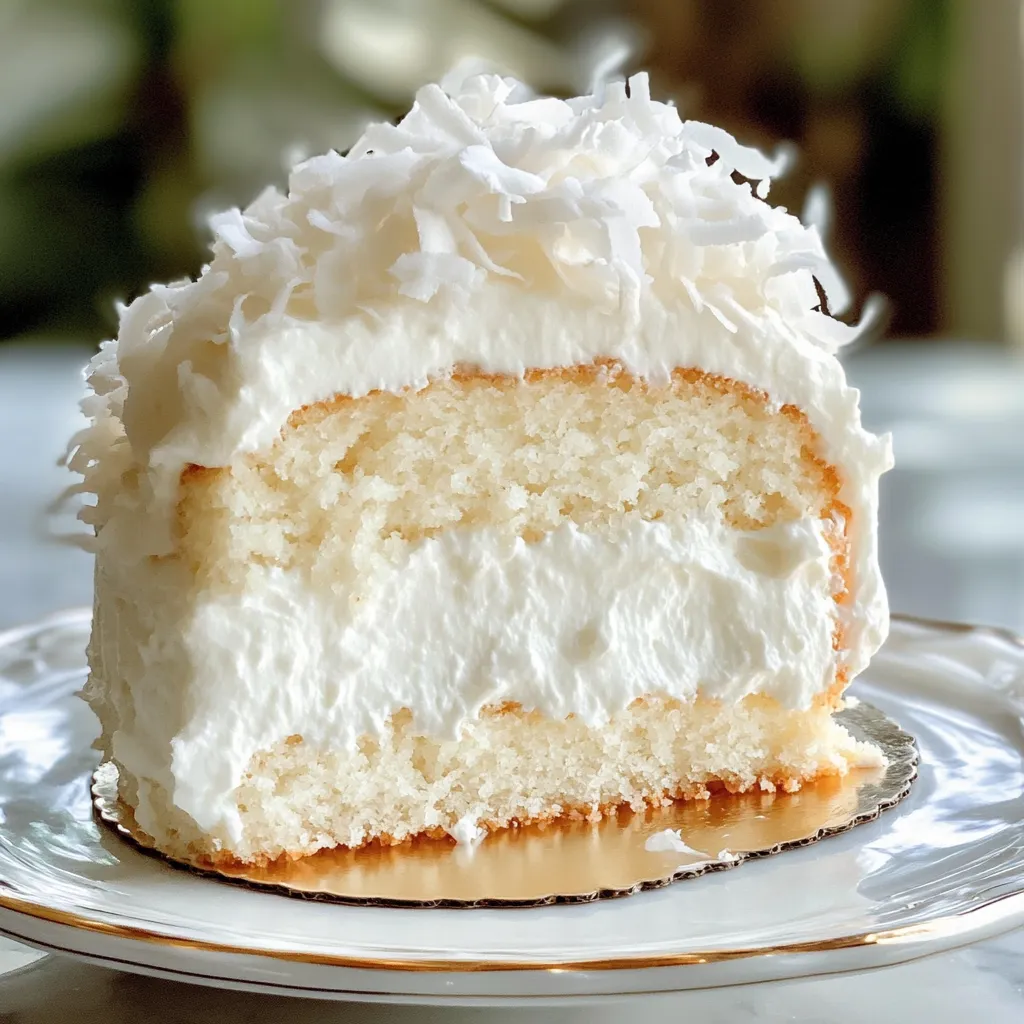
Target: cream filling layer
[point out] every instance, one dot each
(576, 623)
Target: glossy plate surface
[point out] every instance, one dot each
(943, 868)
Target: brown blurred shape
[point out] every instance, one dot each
(817, 73)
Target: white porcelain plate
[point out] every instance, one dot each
(944, 868)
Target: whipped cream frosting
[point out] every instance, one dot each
(493, 228)
(576, 623)
(670, 840)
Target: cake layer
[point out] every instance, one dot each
(592, 445)
(508, 767)
(349, 484)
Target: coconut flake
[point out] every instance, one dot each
(423, 274)
(230, 227)
(749, 162)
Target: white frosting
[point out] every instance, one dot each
(670, 841)
(490, 228)
(576, 623)
(508, 232)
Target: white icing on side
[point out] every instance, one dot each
(573, 623)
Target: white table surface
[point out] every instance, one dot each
(952, 548)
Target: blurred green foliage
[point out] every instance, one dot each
(121, 120)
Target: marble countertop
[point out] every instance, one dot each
(952, 548)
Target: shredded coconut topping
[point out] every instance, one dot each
(604, 197)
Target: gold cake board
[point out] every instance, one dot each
(575, 861)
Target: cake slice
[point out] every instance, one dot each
(502, 470)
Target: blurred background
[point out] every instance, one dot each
(123, 123)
